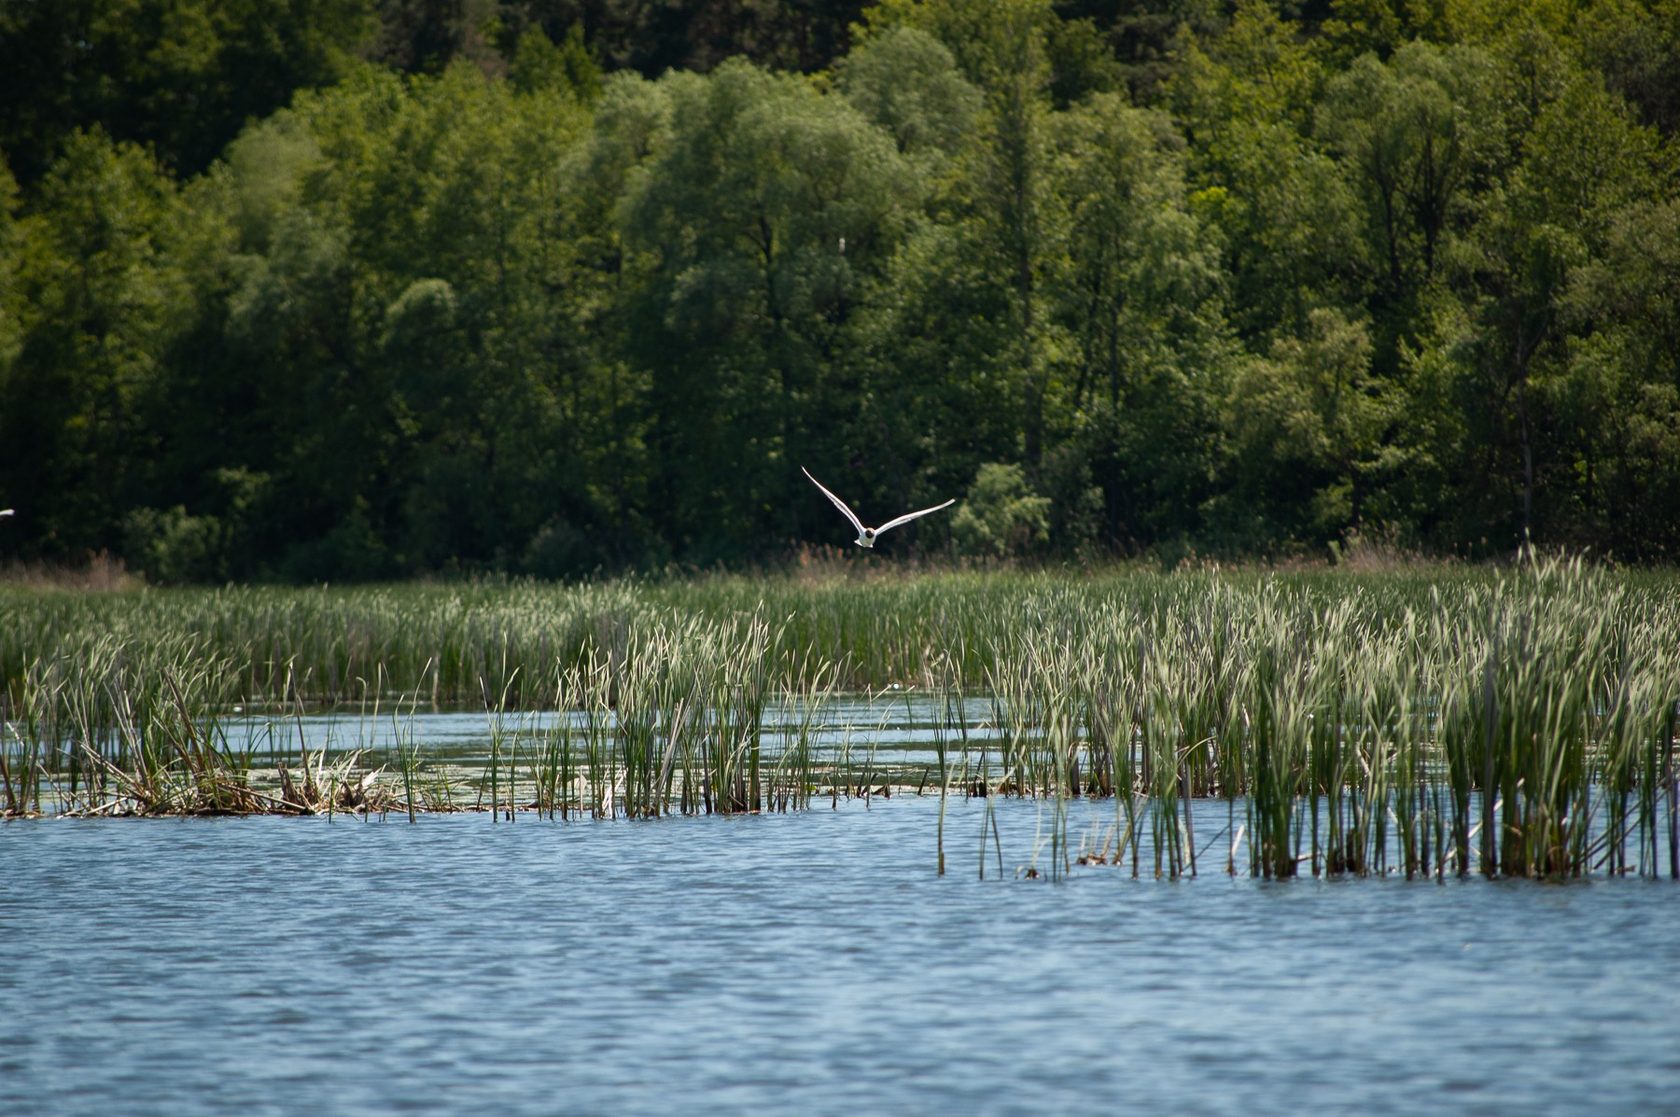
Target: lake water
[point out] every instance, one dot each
(900, 730)
(809, 963)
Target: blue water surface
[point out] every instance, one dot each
(809, 963)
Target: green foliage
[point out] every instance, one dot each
(170, 547)
(181, 76)
(568, 67)
(1307, 427)
(1635, 47)
(354, 290)
(1287, 220)
(906, 81)
(10, 240)
(1413, 134)
(759, 230)
(98, 291)
(1001, 517)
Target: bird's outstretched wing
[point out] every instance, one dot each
(838, 503)
(912, 515)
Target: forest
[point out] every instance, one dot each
(351, 290)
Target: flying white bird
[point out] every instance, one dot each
(4, 512)
(866, 535)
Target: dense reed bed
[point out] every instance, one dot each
(1428, 722)
(670, 717)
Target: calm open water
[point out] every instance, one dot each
(807, 963)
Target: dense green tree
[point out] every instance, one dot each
(1586, 165)
(698, 35)
(98, 293)
(539, 63)
(1414, 135)
(906, 81)
(1000, 192)
(181, 76)
(1535, 419)
(427, 36)
(448, 309)
(1289, 222)
(1144, 38)
(1380, 27)
(1136, 299)
(1307, 424)
(11, 301)
(759, 227)
(1001, 516)
(1622, 384)
(1635, 46)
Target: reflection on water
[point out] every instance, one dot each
(890, 719)
(896, 731)
(809, 962)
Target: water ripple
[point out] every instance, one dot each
(809, 962)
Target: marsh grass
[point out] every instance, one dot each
(1517, 722)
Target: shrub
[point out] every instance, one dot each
(1002, 517)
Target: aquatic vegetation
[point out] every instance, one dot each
(1515, 722)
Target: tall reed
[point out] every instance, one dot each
(1516, 722)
